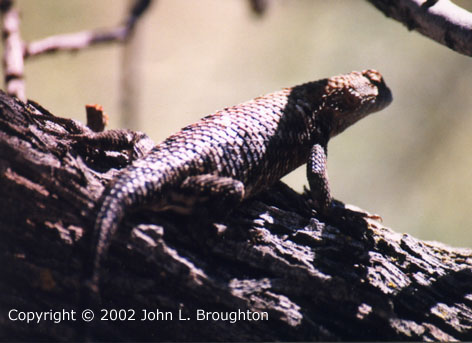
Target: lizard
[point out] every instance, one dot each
(235, 153)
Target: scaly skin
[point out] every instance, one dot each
(237, 152)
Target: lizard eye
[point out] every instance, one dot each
(352, 98)
(344, 100)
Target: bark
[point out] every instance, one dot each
(442, 21)
(346, 277)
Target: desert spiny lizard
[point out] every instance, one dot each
(237, 152)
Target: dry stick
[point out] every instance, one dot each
(13, 64)
(96, 117)
(74, 41)
(84, 39)
(441, 21)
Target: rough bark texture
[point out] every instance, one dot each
(442, 21)
(346, 277)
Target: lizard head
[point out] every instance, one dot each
(351, 97)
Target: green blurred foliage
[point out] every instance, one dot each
(410, 163)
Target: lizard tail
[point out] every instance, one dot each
(126, 192)
(133, 189)
(109, 217)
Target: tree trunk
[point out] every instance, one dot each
(274, 270)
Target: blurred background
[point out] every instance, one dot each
(411, 163)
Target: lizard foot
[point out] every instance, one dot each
(348, 210)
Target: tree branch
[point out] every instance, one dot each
(16, 51)
(80, 40)
(13, 64)
(442, 21)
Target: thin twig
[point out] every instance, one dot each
(84, 39)
(13, 64)
(258, 7)
(441, 21)
(73, 41)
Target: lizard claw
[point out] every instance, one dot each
(354, 210)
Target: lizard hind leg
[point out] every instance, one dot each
(206, 195)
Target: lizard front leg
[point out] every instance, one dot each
(317, 175)
(318, 178)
